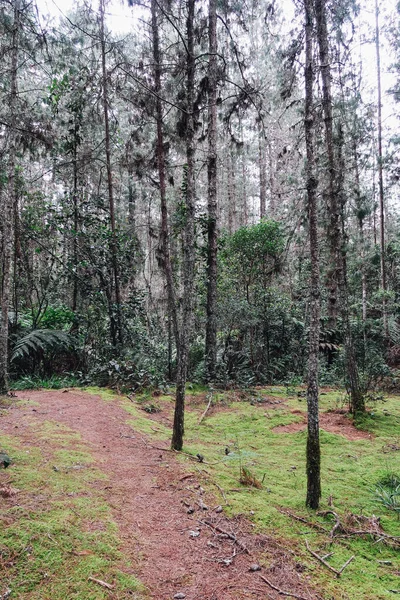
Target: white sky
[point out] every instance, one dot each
(122, 19)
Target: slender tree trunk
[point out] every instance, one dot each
(76, 226)
(230, 188)
(165, 244)
(110, 185)
(272, 203)
(262, 160)
(313, 446)
(380, 175)
(18, 261)
(357, 404)
(189, 239)
(9, 202)
(131, 203)
(245, 209)
(333, 209)
(360, 221)
(212, 225)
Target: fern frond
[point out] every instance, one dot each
(41, 340)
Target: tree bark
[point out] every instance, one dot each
(357, 404)
(189, 240)
(313, 446)
(380, 175)
(116, 327)
(164, 235)
(212, 225)
(333, 209)
(75, 238)
(9, 201)
(262, 158)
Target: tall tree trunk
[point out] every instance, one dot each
(75, 242)
(262, 160)
(212, 225)
(333, 209)
(9, 201)
(244, 221)
(189, 239)
(357, 404)
(230, 189)
(164, 235)
(117, 333)
(313, 446)
(272, 202)
(360, 221)
(380, 175)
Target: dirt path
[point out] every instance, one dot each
(172, 552)
(337, 422)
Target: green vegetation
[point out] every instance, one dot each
(237, 434)
(35, 382)
(60, 533)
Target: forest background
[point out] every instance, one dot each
(210, 195)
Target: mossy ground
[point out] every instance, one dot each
(350, 472)
(58, 531)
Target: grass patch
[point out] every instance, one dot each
(34, 382)
(238, 437)
(57, 531)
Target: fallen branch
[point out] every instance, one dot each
(102, 583)
(346, 564)
(206, 411)
(327, 565)
(337, 526)
(281, 592)
(221, 490)
(231, 536)
(188, 476)
(310, 523)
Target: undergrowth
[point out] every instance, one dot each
(35, 382)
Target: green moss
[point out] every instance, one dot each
(350, 470)
(48, 543)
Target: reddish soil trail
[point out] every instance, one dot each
(334, 422)
(171, 551)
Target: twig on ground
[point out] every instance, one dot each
(207, 408)
(231, 536)
(281, 592)
(310, 523)
(108, 586)
(186, 476)
(222, 492)
(337, 526)
(379, 537)
(326, 564)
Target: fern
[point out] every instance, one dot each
(39, 341)
(394, 330)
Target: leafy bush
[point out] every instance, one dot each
(55, 382)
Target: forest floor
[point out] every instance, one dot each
(98, 478)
